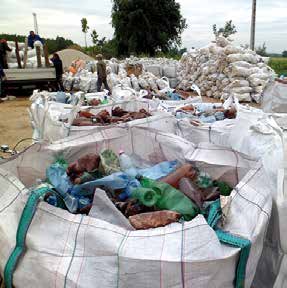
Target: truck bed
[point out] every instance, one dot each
(30, 75)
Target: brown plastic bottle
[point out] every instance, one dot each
(185, 170)
(189, 189)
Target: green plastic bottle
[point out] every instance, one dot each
(167, 198)
(224, 189)
(146, 196)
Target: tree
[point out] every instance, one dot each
(94, 36)
(226, 31)
(261, 50)
(284, 53)
(85, 28)
(145, 26)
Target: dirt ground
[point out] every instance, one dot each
(15, 123)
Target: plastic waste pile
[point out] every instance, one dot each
(31, 55)
(57, 115)
(222, 70)
(205, 113)
(151, 197)
(102, 118)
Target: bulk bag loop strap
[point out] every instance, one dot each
(22, 230)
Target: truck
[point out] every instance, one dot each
(42, 77)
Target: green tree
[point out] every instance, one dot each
(261, 50)
(226, 31)
(145, 26)
(95, 36)
(85, 28)
(284, 53)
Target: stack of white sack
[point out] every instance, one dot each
(222, 70)
(83, 80)
(31, 55)
(159, 67)
(86, 81)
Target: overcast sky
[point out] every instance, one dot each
(62, 17)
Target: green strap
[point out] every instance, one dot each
(245, 246)
(213, 217)
(23, 226)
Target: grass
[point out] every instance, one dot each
(279, 65)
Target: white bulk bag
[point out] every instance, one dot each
(79, 249)
(12, 65)
(275, 98)
(123, 93)
(173, 82)
(162, 83)
(135, 83)
(85, 83)
(169, 71)
(156, 70)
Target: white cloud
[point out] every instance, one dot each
(62, 17)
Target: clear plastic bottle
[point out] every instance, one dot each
(126, 164)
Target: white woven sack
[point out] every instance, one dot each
(81, 249)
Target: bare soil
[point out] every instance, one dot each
(15, 123)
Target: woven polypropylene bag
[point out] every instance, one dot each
(73, 250)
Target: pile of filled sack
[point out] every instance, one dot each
(222, 70)
(31, 55)
(155, 74)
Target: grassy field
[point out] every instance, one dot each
(279, 64)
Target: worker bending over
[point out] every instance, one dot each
(32, 38)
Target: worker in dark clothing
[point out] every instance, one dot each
(32, 38)
(3, 53)
(2, 78)
(59, 70)
(102, 74)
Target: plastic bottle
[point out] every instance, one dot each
(224, 189)
(173, 179)
(204, 180)
(147, 196)
(129, 189)
(83, 202)
(105, 101)
(126, 164)
(188, 188)
(166, 198)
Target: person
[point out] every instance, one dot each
(32, 38)
(3, 53)
(58, 64)
(2, 78)
(102, 74)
